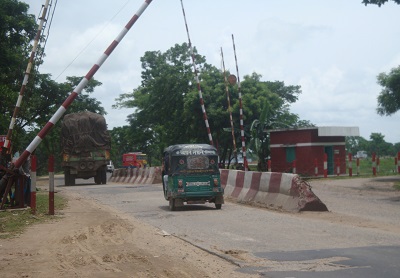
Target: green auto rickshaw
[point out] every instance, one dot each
(190, 174)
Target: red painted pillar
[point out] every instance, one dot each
(325, 165)
(294, 166)
(315, 167)
(374, 164)
(337, 166)
(51, 185)
(358, 166)
(350, 165)
(269, 165)
(395, 164)
(377, 164)
(33, 184)
(398, 163)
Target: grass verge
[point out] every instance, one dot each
(14, 222)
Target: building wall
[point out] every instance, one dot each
(308, 146)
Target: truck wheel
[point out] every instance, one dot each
(97, 178)
(172, 206)
(68, 178)
(218, 206)
(103, 175)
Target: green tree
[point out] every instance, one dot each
(378, 2)
(167, 79)
(167, 110)
(17, 29)
(356, 143)
(379, 146)
(389, 97)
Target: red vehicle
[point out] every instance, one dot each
(2, 140)
(134, 160)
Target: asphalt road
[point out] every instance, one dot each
(358, 237)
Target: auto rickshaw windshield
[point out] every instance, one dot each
(194, 165)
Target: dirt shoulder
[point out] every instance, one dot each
(92, 240)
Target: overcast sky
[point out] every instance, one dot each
(333, 49)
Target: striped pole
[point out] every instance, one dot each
(269, 166)
(358, 166)
(325, 165)
(350, 156)
(294, 166)
(51, 185)
(395, 164)
(246, 166)
(33, 184)
(315, 167)
(337, 166)
(398, 164)
(61, 110)
(229, 109)
(377, 164)
(26, 76)
(374, 164)
(197, 79)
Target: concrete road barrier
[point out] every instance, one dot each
(279, 191)
(148, 175)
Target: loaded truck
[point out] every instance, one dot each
(85, 145)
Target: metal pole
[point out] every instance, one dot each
(51, 185)
(33, 183)
(229, 108)
(197, 80)
(61, 110)
(241, 110)
(26, 76)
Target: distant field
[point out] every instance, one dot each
(386, 167)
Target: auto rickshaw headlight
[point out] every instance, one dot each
(216, 182)
(180, 183)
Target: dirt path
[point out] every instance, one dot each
(91, 240)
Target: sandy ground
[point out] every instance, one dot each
(91, 240)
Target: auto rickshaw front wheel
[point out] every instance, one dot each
(172, 205)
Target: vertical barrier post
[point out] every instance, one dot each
(377, 164)
(33, 184)
(337, 166)
(51, 185)
(325, 165)
(350, 164)
(294, 166)
(358, 166)
(374, 164)
(269, 165)
(398, 164)
(315, 167)
(395, 164)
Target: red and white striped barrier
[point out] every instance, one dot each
(33, 183)
(51, 185)
(149, 175)
(273, 190)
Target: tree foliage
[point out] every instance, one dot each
(167, 110)
(42, 95)
(17, 29)
(378, 2)
(376, 144)
(389, 97)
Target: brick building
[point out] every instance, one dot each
(305, 145)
